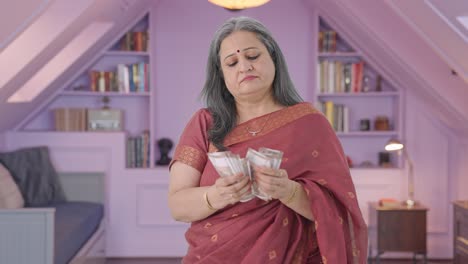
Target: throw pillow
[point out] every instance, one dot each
(37, 179)
(10, 196)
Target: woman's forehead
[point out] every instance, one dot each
(239, 41)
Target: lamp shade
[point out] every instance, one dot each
(238, 4)
(394, 145)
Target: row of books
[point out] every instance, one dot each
(138, 150)
(340, 77)
(134, 41)
(70, 119)
(87, 119)
(126, 79)
(327, 41)
(337, 115)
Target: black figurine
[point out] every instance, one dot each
(165, 146)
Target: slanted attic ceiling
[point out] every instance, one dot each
(407, 56)
(19, 17)
(393, 33)
(117, 12)
(430, 19)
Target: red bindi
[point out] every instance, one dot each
(238, 51)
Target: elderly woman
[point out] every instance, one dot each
(313, 216)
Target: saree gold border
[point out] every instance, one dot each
(277, 120)
(191, 156)
(355, 251)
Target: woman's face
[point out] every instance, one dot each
(247, 66)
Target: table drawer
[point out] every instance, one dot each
(461, 252)
(402, 231)
(460, 232)
(462, 245)
(461, 215)
(461, 225)
(460, 259)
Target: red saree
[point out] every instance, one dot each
(270, 232)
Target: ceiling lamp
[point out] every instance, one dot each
(238, 4)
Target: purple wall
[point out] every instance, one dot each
(459, 167)
(181, 45)
(181, 39)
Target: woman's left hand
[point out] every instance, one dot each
(275, 183)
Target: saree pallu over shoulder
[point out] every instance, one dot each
(322, 169)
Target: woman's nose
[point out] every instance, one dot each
(245, 65)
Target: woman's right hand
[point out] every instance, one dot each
(228, 190)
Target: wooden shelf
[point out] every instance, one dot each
(342, 66)
(88, 93)
(338, 54)
(367, 133)
(126, 53)
(357, 168)
(360, 94)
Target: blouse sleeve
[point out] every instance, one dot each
(193, 144)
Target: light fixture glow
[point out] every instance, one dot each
(463, 20)
(393, 145)
(238, 4)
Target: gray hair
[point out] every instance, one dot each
(215, 94)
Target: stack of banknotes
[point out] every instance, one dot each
(227, 163)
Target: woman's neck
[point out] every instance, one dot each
(247, 110)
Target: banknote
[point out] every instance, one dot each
(221, 163)
(258, 159)
(275, 155)
(246, 169)
(239, 165)
(227, 163)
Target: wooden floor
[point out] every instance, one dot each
(177, 260)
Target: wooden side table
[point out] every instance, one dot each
(397, 228)
(460, 232)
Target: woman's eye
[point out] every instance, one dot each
(232, 64)
(253, 57)
(248, 57)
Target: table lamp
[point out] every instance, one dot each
(396, 145)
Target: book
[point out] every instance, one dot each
(70, 119)
(389, 202)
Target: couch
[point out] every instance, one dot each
(47, 226)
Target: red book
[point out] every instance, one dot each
(389, 202)
(93, 79)
(138, 38)
(107, 81)
(145, 40)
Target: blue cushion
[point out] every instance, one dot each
(75, 223)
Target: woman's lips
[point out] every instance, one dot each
(248, 78)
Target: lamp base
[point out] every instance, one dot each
(410, 203)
